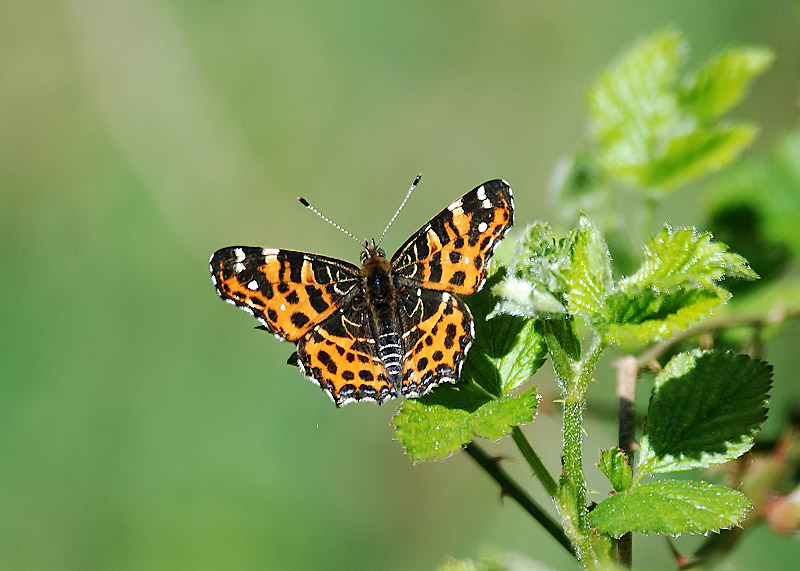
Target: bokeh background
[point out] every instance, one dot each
(144, 424)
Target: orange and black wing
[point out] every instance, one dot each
(450, 252)
(438, 333)
(340, 355)
(288, 292)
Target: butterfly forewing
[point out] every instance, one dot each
(451, 251)
(289, 292)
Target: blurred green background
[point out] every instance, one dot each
(144, 424)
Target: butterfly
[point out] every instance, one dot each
(388, 326)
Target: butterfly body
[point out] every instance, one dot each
(380, 301)
(389, 326)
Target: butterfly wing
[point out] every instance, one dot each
(340, 355)
(450, 252)
(438, 333)
(289, 292)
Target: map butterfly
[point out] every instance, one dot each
(389, 326)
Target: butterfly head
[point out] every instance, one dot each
(371, 251)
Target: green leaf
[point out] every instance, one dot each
(648, 315)
(675, 286)
(616, 468)
(589, 273)
(671, 507)
(658, 132)
(633, 102)
(433, 427)
(683, 258)
(721, 83)
(704, 410)
(507, 350)
(687, 157)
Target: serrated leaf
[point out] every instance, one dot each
(675, 287)
(704, 410)
(496, 418)
(648, 316)
(671, 507)
(616, 468)
(682, 257)
(701, 151)
(589, 273)
(432, 428)
(721, 83)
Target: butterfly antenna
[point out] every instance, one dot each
(305, 203)
(408, 194)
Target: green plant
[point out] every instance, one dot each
(573, 297)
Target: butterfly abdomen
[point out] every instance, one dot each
(381, 298)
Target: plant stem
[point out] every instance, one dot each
(534, 461)
(574, 372)
(510, 488)
(627, 374)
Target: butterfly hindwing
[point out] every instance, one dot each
(340, 356)
(439, 334)
(287, 291)
(451, 251)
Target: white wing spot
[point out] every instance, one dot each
(481, 193)
(253, 285)
(283, 307)
(486, 203)
(482, 227)
(239, 254)
(269, 251)
(239, 267)
(456, 204)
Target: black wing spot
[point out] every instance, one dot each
(299, 319)
(293, 298)
(366, 375)
(435, 268)
(459, 277)
(438, 355)
(422, 364)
